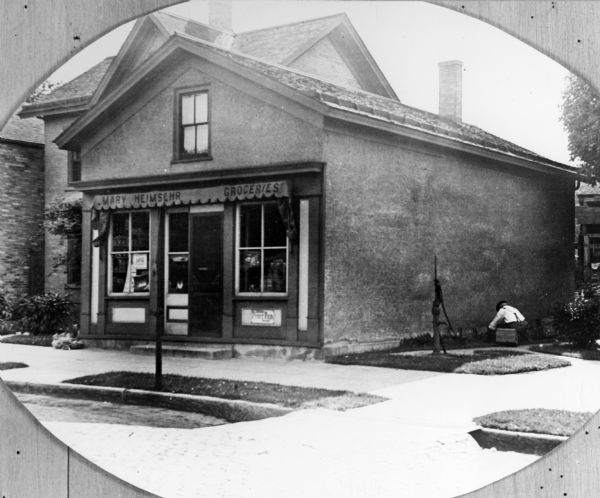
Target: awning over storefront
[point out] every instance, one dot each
(206, 195)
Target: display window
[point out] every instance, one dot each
(129, 253)
(262, 250)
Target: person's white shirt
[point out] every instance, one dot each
(506, 314)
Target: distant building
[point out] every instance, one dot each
(269, 188)
(21, 207)
(587, 219)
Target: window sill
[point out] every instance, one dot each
(193, 159)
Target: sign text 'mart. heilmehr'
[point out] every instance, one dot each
(221, 193)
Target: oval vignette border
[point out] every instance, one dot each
(564, 30)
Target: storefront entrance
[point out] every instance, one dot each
(194, 300)
(206, 274)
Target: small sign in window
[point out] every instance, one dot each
(261, 317)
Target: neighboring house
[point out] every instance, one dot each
(270, 188)
(587, 229)
(21, 207)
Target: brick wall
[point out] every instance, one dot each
(56, 185)
(21, 205)
(498, 234)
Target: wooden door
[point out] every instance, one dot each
(206, 274)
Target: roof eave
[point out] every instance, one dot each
(431, 137)
(55, 107)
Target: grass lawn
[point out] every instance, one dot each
(481, 362)
(258, 392)
(537, 420)
(7, 365)
(28, 339)
(567, 350)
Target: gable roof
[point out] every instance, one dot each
(30, 130)
(278, 43)
(286, 43)
(345, 104)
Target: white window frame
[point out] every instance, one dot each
(109, 274)
(262, 254)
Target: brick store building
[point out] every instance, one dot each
(269, 188)
(21, 208)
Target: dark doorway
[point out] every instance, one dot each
(206, 274)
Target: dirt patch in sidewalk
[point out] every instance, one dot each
(8, 365)
(256, 392)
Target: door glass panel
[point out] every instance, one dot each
(178, 274)
(178, 232)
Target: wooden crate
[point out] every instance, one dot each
(507, 336)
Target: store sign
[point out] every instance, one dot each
(261, 317)
(221, 193)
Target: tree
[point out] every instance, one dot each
(581, 119)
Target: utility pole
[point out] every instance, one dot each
(435, 310)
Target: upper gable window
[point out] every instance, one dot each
(193, 125)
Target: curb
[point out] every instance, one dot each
(227, 409)
(521, 442)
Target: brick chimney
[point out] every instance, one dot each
(220, 14)
(451, 90)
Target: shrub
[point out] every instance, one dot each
(43, 313)
(578, 322)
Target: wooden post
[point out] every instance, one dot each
(159, 290)
(435, 310)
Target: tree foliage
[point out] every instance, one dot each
(63, 218)
(581, 119)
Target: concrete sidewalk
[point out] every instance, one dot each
(414, 445)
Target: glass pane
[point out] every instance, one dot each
(178, 232)
(178, 274)
(275, 270)
(120, 232)
(187, 109)
(119, 272)
(140, 231)
(249, 271)
(140, 278)
(189, 140)
(201, 139)
(250, 225)
(274, 229)
(202, 107)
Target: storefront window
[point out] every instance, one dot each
(262, 250)
(178, 253)
(129, 253)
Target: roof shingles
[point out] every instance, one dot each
(334, 96)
